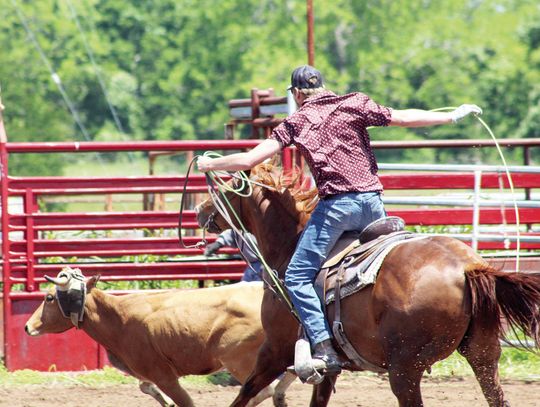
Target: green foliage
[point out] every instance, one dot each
(169, 66)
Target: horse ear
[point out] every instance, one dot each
(92, 281)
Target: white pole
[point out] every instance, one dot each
(476, 208)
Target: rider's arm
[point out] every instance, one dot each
(422, 118)
(240, 161)
(418, 118)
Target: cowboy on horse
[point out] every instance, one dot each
(331, 133)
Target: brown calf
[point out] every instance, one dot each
(159, 337)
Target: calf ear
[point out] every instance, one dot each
(92, 281)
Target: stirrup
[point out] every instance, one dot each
(326, 370)
(304, 367)
(315, 378)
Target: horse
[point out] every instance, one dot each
(432, 296)
(160, 336)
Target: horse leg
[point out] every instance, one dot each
(482, 349)
(322, 392)
(268, 367)
(405, 384)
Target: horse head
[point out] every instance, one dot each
(216, 219)
(275, 211)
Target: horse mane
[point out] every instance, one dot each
(293, 189)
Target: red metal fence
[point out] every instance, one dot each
(27, 247)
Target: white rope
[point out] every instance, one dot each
(508, 176)
(54, 75)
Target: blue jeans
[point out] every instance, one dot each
(253, 273)
(331, 217)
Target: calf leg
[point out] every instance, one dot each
(172, 388)
(276, 390)
(281, 387)
(482, 350)
(152, 390)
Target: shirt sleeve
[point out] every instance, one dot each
(374, 114)
(227, 238)
(283, 133)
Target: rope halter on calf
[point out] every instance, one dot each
(70, 293)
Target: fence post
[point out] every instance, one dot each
(6, 261)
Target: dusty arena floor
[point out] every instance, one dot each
(352, 391)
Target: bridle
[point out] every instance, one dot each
(217, 189)
(223, 207)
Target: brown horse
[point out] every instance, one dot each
(432, 296)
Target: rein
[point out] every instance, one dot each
(216, 187)
(181, 212)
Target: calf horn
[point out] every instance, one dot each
(61, 281)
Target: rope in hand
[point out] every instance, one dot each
(508, 176)
(217, 182)
(217, 189)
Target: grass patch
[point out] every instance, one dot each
(108, 376)
(105, 376)
(515, 364)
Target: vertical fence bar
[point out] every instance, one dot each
(527, 161)
(310, 33)
(6, 261)
(476, 208)
(29, 209)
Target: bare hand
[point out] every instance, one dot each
(203, 164)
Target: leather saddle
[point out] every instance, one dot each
(354, 253)
(352, 265)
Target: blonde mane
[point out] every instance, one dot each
(293, 189)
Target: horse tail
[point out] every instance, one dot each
(514, 296)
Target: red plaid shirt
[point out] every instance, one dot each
(330, 132)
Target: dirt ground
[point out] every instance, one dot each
(351, 391)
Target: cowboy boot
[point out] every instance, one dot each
(325, 358)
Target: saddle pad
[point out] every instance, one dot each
(365, 272)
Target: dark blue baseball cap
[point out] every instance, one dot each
(306, 77)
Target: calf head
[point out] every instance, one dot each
(63, 306)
